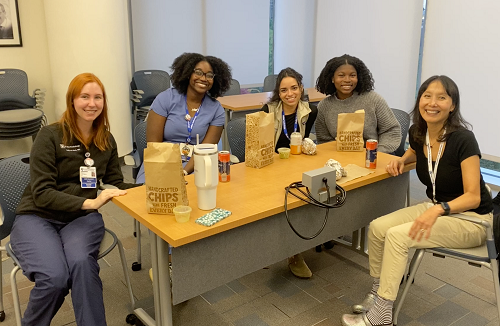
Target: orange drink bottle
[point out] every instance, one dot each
(295, 143)
(224, 167)
(371, 153)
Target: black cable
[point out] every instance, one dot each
(308, 198)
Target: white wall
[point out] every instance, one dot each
(385, 35)
(235, 31)
(33, 58)
(294, 42)
(163, 30)
(461, 41)
(238, 33)
(98, 43)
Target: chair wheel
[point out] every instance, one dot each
(136, 266)
(133, 320)
(318, 248)
(329, 244)
(2, 316)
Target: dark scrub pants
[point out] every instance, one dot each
(60, 257)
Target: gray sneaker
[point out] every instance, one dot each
(364, 306)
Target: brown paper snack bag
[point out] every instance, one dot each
(350, 131)
(165, 185)
(259, 139)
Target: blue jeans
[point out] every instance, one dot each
(58, 257)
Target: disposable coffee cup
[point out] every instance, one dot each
(182, 213)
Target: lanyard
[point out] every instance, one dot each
(190, 122)
(284, 124)
(433, 174)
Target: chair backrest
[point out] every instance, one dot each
(14, 91)
(140, 144)
(404, 121)
(236, 137)
(234, 89)
(14, 177)
(269, 83)
(140, 138)
(152, 83)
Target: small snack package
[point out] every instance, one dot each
(213, 217)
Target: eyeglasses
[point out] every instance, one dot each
(200, 73)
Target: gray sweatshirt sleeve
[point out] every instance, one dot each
(322, 133)
(389, 130)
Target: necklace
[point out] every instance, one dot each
(188, 116)
(434, 143)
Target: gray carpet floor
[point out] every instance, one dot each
(446, 291)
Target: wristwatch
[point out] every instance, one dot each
(446, 208)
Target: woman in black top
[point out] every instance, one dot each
(447, 160)
(288, 103)
(291, 114)
(57, 231)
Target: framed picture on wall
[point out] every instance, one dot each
(10, 27)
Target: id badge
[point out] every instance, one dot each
(186, 151)
(88, 177)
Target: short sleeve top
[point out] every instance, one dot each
(460, 145)
(172, 105)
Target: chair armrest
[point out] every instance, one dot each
(474, 220)
(233, 159)
(132, 159)
(104, 186)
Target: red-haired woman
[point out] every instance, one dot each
(58, 230)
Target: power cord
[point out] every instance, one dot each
(308, 198)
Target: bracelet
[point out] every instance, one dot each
(446, 208)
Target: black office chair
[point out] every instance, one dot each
(234, 89)
(236, 137)
(21, 115)
(404, 121)
(145, 86)
(14, 177)
(140, 144)
(269, 83)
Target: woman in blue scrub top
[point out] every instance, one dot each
(190, 108)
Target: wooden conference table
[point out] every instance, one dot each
(253, 101)
(257, 234)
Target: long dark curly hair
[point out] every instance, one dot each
(455, 120)
(324, 83)
(287, 72)
(184, 65)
